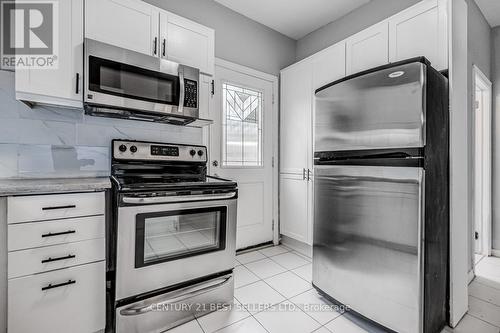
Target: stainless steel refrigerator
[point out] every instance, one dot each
(381, 198)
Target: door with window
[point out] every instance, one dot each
(241, 148)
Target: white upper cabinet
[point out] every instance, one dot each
(138, 26)
(205, 96)
(295, 120)
(421, 30)
(129, 24)
(187, 42)
(61, 86)
(368, 48)
(329, 65)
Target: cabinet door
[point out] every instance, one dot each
(420, 30)
(130, 24)
(205, 96)
(294, 202)
(205, 106)
(187, 42)
(329, 65)
(367, 49)
(61, 86)
(64, 300)
(295, 120)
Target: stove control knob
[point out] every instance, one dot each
(122, 148)
(133, 149)
(192, 152)
(200, 152)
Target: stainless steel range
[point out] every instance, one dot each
(172, 238)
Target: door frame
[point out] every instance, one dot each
(483, 161)
(273, 79)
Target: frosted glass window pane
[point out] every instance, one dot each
(241, 126)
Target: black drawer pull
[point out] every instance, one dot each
(59, 207)
(52, 234)
(77, 90)
(52, 286)
(69, 256)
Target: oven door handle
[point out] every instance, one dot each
(186, 293)
(178, 198)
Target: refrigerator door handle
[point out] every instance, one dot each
(304, 174)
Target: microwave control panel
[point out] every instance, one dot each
(190, 94)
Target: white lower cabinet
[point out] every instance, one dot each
(54, 206)
(35, 234)
(56, 268)
(296, 207)
(50, 258)
(68, 300)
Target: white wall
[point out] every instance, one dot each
(357, 20)
(237, 38)
(495, 78)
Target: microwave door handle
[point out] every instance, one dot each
(178, 198)
(182, 90)
(186, 293)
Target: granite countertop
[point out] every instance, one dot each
(52, 185)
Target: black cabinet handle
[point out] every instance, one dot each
(164, 47)
(69, 256)
(155, 45)
(52, 234)
(77, 90)
(59, 207)
(52, 286)
(213, 87)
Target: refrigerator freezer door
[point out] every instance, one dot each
(382, 109)
(367, 250)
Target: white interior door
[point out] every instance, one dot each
(482, 162)
(242, 147)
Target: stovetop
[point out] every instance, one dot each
(139, 166)
(208, 183)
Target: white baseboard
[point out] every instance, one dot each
(471, 275)
(296, 245)
(495, 253)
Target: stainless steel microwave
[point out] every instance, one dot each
(127, 84)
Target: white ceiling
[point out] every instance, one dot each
(294, 18)
(491, 10)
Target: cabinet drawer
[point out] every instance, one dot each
(49, 258)
(78, 306)
(55, 206)
(37, 234)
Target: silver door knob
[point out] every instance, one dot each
(215, 163)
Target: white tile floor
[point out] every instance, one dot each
(273, 294)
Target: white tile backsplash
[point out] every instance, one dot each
(54, 161)
(49, 141)
(41, 132)
(9, 133)
(8, 160)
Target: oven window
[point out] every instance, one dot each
(172, 235)
(114, 78)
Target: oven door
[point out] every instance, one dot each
(159, 245)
